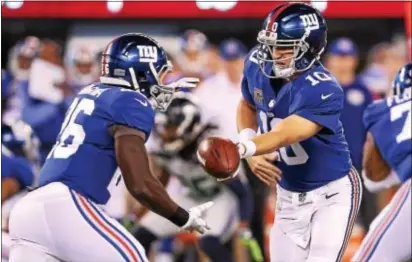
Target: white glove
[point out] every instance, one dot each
(185, 82)
(196, 221)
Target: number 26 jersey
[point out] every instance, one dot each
(83, 157)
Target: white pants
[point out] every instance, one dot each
(315, 226)
(54, 223)
(389, 236)
(222, 217)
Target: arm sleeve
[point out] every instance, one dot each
(323, 108)
(18, 168)
(246, 92)
(133, 110)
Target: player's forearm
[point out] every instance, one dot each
(133, 161)
(290, 130)
(374, 166)
(9, 187)
(246, 116)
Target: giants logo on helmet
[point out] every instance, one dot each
(310, 21)
(147, 53)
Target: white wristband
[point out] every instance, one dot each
(247, 134)
(246, 148)
(375, 186)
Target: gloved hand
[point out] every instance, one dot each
(185, 82)
(247, 239)
(196, 221)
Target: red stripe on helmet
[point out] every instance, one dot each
(275, 15)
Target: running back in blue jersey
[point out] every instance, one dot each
(83, 157)
(389, 122)
(314, 95)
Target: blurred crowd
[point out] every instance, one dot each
(40, 81)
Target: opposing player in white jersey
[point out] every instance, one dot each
(178, 132)
(297, 103)
(105, 127)
(387, 161)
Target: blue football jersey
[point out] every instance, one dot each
(83, 157)
(17, 167)
(389, 122)
(314, 95)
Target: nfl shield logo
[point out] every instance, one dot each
(257, 95)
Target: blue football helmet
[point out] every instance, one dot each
(294, 26)
(403, 80)
(18, 139)
(138, 62)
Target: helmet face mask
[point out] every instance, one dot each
(402, 83)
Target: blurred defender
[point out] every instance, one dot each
(386, 162)
(319, 191)
(179, 131)
(106, 126)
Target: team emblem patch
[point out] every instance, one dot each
(302, 197)
(257, 95)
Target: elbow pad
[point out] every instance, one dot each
(375, 186)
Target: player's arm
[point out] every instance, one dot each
(377, 174)
(247, 127)
(288, 131)
(133, 161)
(9, 187)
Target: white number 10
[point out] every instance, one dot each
(301, 157)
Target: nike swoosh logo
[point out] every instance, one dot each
(323, 97)
(329, 196)
(141, 102)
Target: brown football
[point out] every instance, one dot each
(219, 157)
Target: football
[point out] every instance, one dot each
(219, 157)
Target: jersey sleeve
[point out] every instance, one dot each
(246, 92)
(133, 110)
(18, 168)
(322, 104)
(372, 113)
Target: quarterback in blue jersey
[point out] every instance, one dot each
(387, 161)
(296, 103)
(106, 126)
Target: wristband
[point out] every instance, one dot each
(246, 148)
(180, 217)
(247, 134)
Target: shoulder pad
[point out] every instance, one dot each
(373, 113)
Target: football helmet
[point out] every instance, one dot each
(292, 26)
(136, 61)
(180, 125)
(403, 80)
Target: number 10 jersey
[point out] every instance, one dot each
(316, 96)
(83, 157)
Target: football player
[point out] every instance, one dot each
(386, 162)
(297, 103)
(178, 132)
(19, 157)
(106, 126)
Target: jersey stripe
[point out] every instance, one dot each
(99, 213)
(108, 239)
(275, 15)
(104, 229)
(372, 242)
(354, 209)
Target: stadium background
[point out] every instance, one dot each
(92, 24)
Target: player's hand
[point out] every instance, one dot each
(246, 238)
(263, 167)
(196, 220)
(185, 82)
